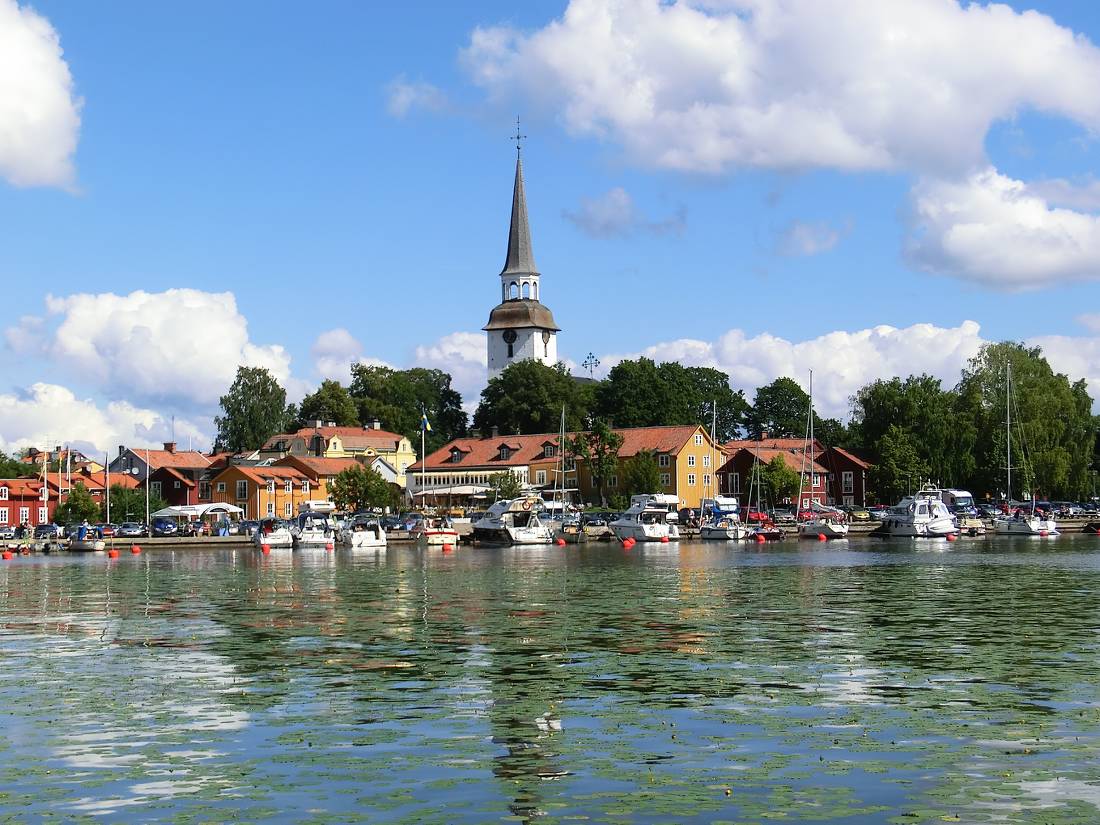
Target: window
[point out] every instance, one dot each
(3, 493)
(805, 504)
(570, 464)
(221, 486)
(848, 480)
(549, 451)
(511, 352)
(735, 483)
(288, 487)
(698, 440)
(706, 461)
(176, 484)
(271, 508)
(817, 479)
(456, 456)
(3, 515)
(504, 452)
(24, 515)
(288, 510)
(242, 490)
(849, 500)
(43, 515)
(613, 481)
(706, 479)
(305, 487)
(204, 489)
(691, 461)
(45, 494)
(154, 488)
(540, 477)
(662, 460)
(666, 479)
(691, 479)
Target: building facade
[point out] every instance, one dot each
(321, 440)
(25, 501)
(263, 492)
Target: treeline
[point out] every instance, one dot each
(912, 428)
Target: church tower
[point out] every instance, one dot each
(520, 327)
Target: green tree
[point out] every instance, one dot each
(253, 410)
(599, 449)
(780, 479)
(330, 402)
(528, 396)
(78, 506)
(641, 474)
(505, 485)
(360, 488)
(397, 398)
(779, 409)
(900, 468)
(14, 468)
(129, 504)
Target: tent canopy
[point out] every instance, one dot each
(197, 510)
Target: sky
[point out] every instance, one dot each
(864, 188)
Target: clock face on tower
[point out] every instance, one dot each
(509, 336)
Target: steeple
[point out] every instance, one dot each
(520, 260)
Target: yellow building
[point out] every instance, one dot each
(329, 441)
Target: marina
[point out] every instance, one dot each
(841, 682)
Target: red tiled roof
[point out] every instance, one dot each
(859, 462)
(351, 437)
(180, 459)
(730, 447)
(22, 487)
(766, 455)
(656, 439)
(262, 475)
(317, 467)
(172, 473)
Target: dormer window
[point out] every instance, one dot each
(504, 452)
(456, 456)
(549, 451)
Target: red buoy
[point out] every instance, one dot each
(330, 546)
(560, 542)
(951, 537)
(664, 539)
(112, 553)
(821, 537)
(1044, 533)
(7, 555)
(135, 549)
(626, 544)
(447, 548)
(759, 538)
(265, 549)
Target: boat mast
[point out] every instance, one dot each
(712, 484)
(1008, 426)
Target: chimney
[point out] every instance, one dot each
(494, 432)
(475, 433)
(169, 446)
(317, 423)
(375, 424)
(330, 423)
(764, 435)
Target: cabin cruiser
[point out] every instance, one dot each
(434, 531)
(313, 529)
(84, 537)
(923, 515)
(361, 531)
(1022, 523)
(273, 532)
(825, 521)
(721, 519)
(648, 519)
(513, 521)
(571, 530)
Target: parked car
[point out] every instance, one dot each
(164, 527)
(48, 531)
(130, 530)
(249, 527)
(878, 512)
(7, 531)
(784, 514)
(856, 513)
(750, 515)
(106, 530)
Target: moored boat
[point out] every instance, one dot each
(513, 521)
(84, 538)
(272, 533)
(721, 520)
(362, 532)
(313, 529)
(434, 531)
(648, 519)
(923, 515)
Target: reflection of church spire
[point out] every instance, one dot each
(520, 260)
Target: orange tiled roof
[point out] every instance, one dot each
(317, 467)
(855, 459)
(766, 455)
(180, 459)
(22, 487)
(354, 437)
(172, 472)
(730, 447)
(262, 475)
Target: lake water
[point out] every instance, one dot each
(857, 682)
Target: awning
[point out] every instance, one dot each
(197, 510)
(453, 490)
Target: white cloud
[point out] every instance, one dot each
(463, 355)
(47, 414)
(335, 351)
(404, 97)
(1076, 356)
(842, 361)
(39, 112)
(1090, 321)
(995, 230)
(614, 214)
(1084, 194)
(181, 346)
(801, 238)
(705, 87)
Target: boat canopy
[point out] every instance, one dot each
(197, 510)
(823, 508)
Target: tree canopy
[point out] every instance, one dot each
(528, 396)
(78, 506)
(14, 468)
(398, 398)
(128, 504)
(779, 409)
(779, 479)
(360, 488)
(330, 402)
(599, 449)
(253, 410)
(641, 474)
(505, 485)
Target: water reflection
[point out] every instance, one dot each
(870, 679)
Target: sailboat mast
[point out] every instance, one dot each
(1008, 424)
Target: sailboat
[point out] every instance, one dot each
(766, 528)
(825, 521)
(1019, 524)
(720, 514)
(566, 526)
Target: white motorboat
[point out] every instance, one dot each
(831, 526)
(572, 531)
(923, 515)
(1019, 523)
(84, 538)
(721, 520)
(513, 521)
(313, 529)
(648, 519)
(361, 532)
(273, 533)
(435, 531)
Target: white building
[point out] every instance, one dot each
(520, 327)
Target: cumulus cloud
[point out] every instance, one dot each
(993, 229)
(335, 351)
(1076, 356)
(403, 97)
(45, 415)
(1083, 194)
(181, 346)
(463, 355)
(842, 361)
(613, 214)
(705, 87)
(801, 239)
(39, 110)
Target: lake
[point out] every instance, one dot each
(856, 682)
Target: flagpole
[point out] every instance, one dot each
(107, 485)
(148, 526)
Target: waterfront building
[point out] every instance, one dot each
(520, 327)
(326, 440)
(139, 462)
(26, 501)
(735, 476)
(263, 491)
(847, 474)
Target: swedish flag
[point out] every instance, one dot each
(424, 425)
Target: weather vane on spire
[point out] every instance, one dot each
(517, 137)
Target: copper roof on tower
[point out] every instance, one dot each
(520, 260)
(520, 313)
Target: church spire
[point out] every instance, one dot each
(520, 260)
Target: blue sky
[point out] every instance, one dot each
(346, 167)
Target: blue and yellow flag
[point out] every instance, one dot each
(424, 425)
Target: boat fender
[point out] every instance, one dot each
(527, 505)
